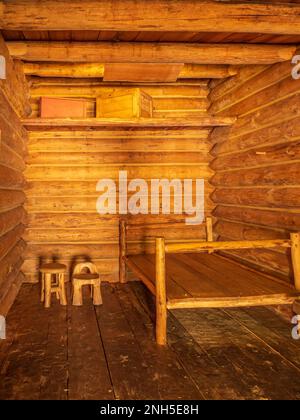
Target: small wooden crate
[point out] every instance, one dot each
(63, 108)
(124, 103)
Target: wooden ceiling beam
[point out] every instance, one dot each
(135, 52)
(96, 70)
(150, 15)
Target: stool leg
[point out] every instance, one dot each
(62, 290)
(43, 287)
(57, 276)
(77, 294)
(97, 298)
(47, 290)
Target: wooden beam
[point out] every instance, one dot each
(232, 302)
(139, 52)
(217, 246)
(78, 70)
(122, 252)
(206, 121)
(150, 15)
(295, 238)
(208, 71)
(96, 70)
(161, 297)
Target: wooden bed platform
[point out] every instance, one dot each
(211, 281)
(191, 275)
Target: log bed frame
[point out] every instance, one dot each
(155, 276)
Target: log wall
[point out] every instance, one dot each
(14, 104)
(257, 162)
(63, 168)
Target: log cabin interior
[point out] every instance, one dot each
(175, 90)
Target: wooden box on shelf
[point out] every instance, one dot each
(124, 103)
(63, 108)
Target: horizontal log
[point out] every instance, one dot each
(277, 175)
(268, 96)
(94, 173)
(280, 132)
(11, 259)
(95, 70)
(104, 265)
(195, 71)
(265, 260)
(105, 277)
(9, 240)
(260, 156)
(242, 232)
(12, 218)
(79, 189)
(126, 52)
(284, 110)
(252, 86)
(151, 15)
(270, 218)
(218, 246)
(263, 197)
(54, 88)
(10, 158)
(11, 293)
(83, 204)
(233, 302)
(73, 251)
(95, 221)
(205, 121)
(10, 199)
(85, 143)
(9, 178)
(244, 74)
(76, 158)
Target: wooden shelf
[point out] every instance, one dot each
(95, 123)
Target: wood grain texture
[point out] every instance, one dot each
(152, 16)
(256, 162)
(125, 52)
(64, 166)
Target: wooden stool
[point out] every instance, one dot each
(53, 281)
(90, 278)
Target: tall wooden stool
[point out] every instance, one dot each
(86, 274)
(53, 281)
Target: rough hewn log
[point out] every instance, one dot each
(259, 197)
(150, 15)
(15, 86)
(279, 175)
(276, 219)
(125, 52)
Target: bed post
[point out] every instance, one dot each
(209, 232)
(161, 300)
(122, 252)
(295, 238)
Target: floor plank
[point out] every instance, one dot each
(109, 352)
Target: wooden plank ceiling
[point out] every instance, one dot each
(148, 36)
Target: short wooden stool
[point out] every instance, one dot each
(53, 281)
(86, 274)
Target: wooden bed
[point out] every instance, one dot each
(191, 275)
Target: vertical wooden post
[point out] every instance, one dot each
(122, 252)
(295, 238)
(209, 232)
(161, 299)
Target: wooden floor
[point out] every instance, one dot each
(109, 352)
(211, 281)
